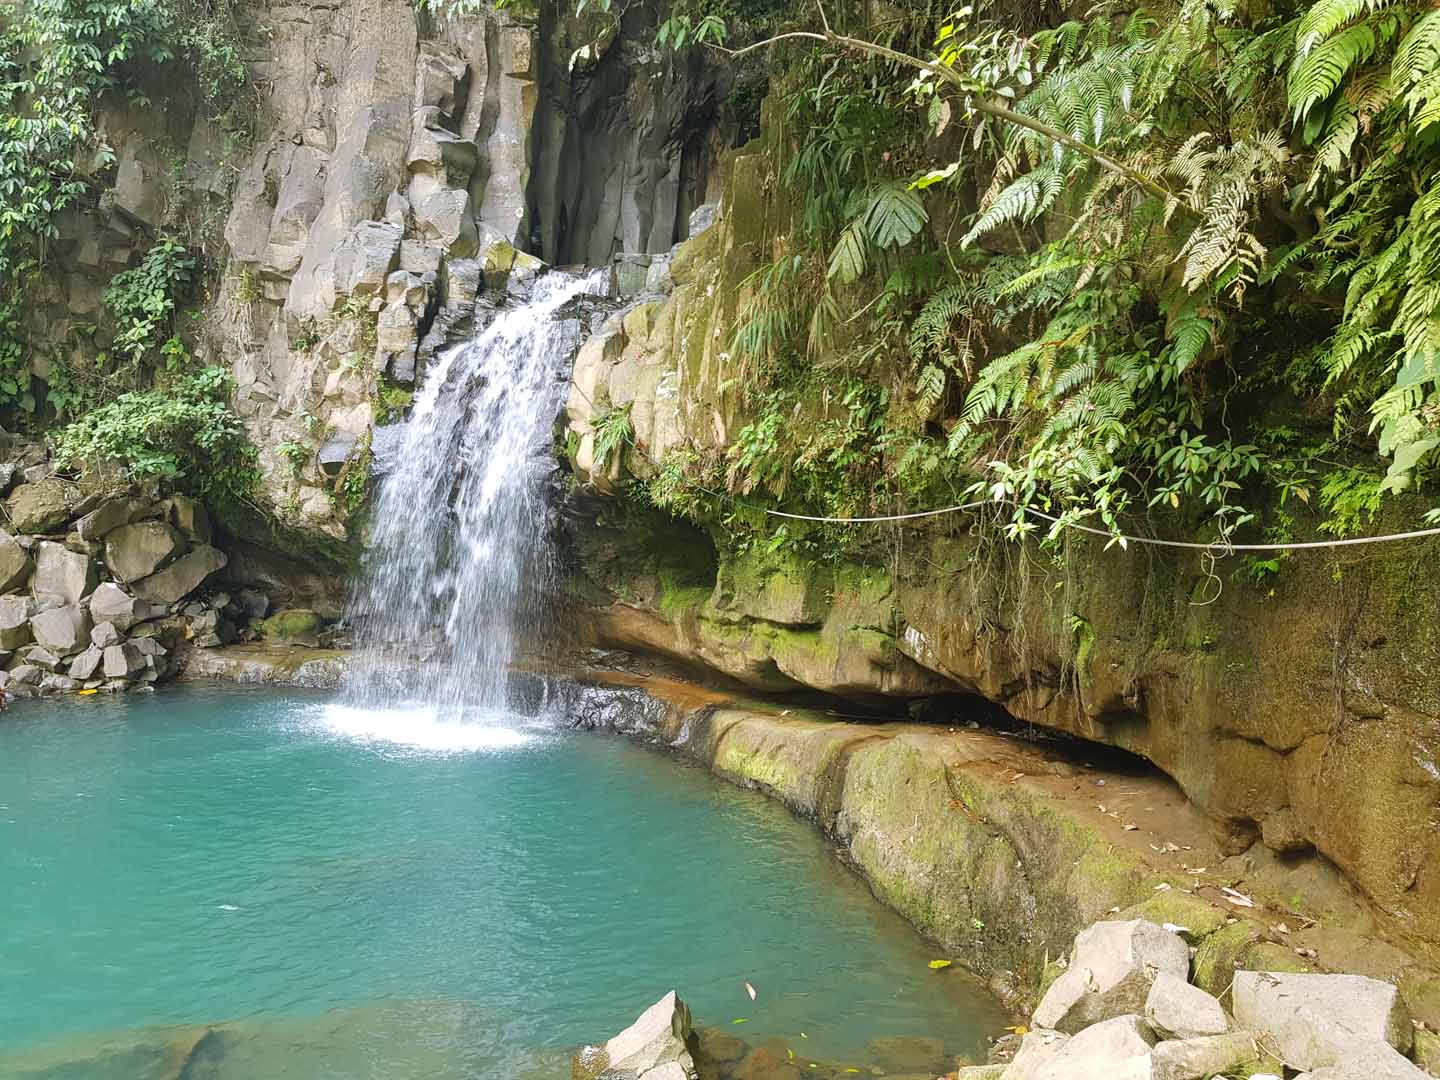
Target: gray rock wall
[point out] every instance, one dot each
(400, 165)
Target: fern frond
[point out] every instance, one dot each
(1316, 75)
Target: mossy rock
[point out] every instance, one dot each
(297, 626)
(1221, 954)
(1427, 1050)
(1198, 918)
(1268, 956)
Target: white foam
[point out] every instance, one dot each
(424, 728)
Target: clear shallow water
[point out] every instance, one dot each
(474, 902)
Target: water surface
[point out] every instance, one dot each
(370, 894)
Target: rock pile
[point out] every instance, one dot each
(1124, 1009)
(94, 586)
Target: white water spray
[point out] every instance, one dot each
(458, 559)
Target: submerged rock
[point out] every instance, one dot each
(908, 1054)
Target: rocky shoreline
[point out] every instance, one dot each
(1124, 1008)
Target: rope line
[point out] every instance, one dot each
(1213, 548)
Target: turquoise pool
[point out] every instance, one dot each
(375, 894)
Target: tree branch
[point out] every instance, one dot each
(949, 75)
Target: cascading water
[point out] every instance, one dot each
(458, 558)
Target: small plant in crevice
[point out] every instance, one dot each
(613, 429)
(391, 400)
(296, 456)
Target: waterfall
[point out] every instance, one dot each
(458, 560)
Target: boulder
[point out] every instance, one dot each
(60, 573)
(87, 663)
(1177, 1010)
(25, 675)
(42, 507)
(1372, 1061)
(1038, 1050)
(1112, 968)
(1314, 1020)
(112, 604)
(15, 612)
(15, 564)
(109, 516)
(1197, 1059)
(1116, 1049)
(138, 550)
(191, 518)
(655, 1047)
(59, 684)
(297, 626)
(148, 646)
(65, 631)
(104, 635)
(182, 577)
(40, 657)
(123, 661)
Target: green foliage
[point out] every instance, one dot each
(182, 435)
(392, 401)
(1177, 261)
(613, 429)
(142, 304)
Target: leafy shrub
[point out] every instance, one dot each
(182, 435)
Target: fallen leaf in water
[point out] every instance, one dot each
(1018, 1029)
(85, 693)
(741, 1020)
(936, 965)
(750, 990)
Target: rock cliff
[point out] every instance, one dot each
(1301, 716)
(388, 173)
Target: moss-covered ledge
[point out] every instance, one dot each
(1001, 850)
